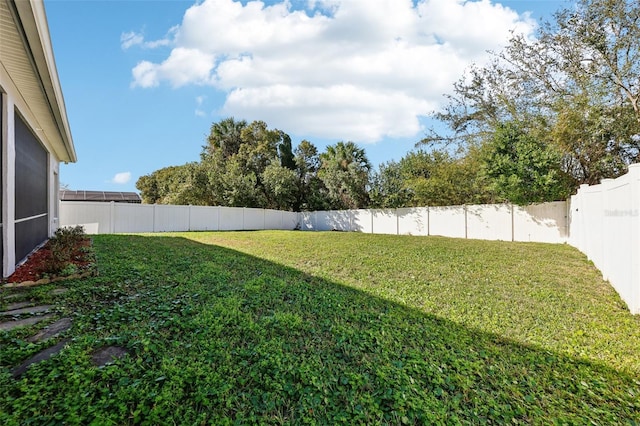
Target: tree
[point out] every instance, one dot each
(311, 193)
(280, 184)
(239, 186)
(438, 178)
(389, 187)
(574, 87)
(225, 136)
(285, 152)
(148, 187)
(522, 170)
(592, 138)
(244, 165)
(186, 184)
(344, 170)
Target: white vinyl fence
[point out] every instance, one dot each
(542, 222)
(602, 221)
(605, 225)
(109, 218)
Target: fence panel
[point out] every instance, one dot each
(291, 220)
(490, 222)
(605, 225)
(273, 219)
(617, 267)
(231, 219)
(545, 223)
(253, 219)
(361, 221)
(323, 221)
(204, 218)
(169, 218)
(447, 221)
(594, 218)
(130, 218)
(384, 221)
(335, 220)
(413, 221)
(93, 216)
(307, 220)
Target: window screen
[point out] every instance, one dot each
(31, 190)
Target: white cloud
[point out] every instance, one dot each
(199, 111)
(341, 69)
(359, 114)
(183, 66)
(131, 38)
(121, 178)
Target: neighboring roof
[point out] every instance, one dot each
(126, 197)
(27, 55)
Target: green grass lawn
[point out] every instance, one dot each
(332, 328)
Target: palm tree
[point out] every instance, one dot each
(226, 136)
(345, 171)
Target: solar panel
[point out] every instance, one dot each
(102, 196)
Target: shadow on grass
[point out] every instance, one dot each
(218, 336)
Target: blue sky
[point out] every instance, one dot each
(144, 80)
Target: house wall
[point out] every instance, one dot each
(34, 133)
(2, 180)
(29, 175)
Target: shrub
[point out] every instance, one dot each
(62, 246)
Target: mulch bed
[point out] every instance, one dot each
(36, 267)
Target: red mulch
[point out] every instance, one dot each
(35, 266)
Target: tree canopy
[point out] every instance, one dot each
(575, 89)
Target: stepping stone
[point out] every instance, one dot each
(17, 305)
(12, 296)
(59, 291)
(32, 310)
(42, 356)
(10, 325)
(51, 331)
(107, 355)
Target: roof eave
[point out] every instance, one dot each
(33, 18)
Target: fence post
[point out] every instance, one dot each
(466, 227)
(513, 224)
(397, 223)
(584, 238)
(112, 219)
(606, 229)
(372, 216)
(634, 304)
